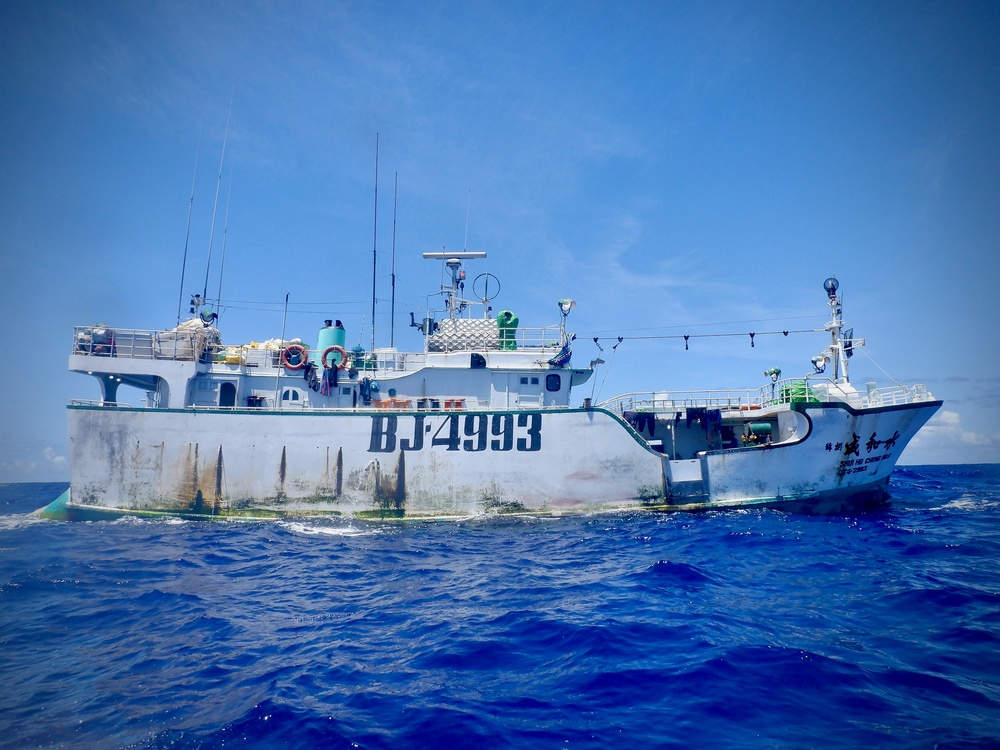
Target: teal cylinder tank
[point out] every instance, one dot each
(331, 334)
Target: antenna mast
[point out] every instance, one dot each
(468, 210)
(225, 236)
(187, 234)
(392, 304)
(215, 206)
(375, 243)
(453, 262)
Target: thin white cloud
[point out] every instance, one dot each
(945, 440)
(948, 424)
(52, 457)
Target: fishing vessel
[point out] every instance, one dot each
(481, 420)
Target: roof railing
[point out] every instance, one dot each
(195, 345)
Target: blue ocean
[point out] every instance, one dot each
(741, 629)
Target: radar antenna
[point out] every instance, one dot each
(453, 294)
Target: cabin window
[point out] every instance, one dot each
(525, 381)
(290, 394)
(553, 382)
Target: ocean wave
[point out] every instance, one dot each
(322, 528)
(730, 629)
(678, 573)
(968, 502)
(20, 520)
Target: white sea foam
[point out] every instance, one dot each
(18, 520)
(966, 502)
(300, 527)
(141, 520)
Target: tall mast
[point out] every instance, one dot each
(225, 236)
(215, 206)
(392, 304)
(836, 326)
(187, 234)
(375, 243)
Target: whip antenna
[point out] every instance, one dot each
(225, 236)
(187, 234)
(468, 210)
(392, 304)
(215, 206)
(375, 243)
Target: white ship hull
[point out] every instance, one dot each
(411, 464)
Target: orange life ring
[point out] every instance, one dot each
(303, 356)
(338, 350)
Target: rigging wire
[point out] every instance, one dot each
(687, 337)
(614, 351)
(895, 382)
(321, 307)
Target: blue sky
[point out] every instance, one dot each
(675, 167)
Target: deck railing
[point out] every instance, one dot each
(679, 401)
(98, 402)
(133, 343)
(389, 406)
(782, 392)
(898, 394)
(191, 345)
